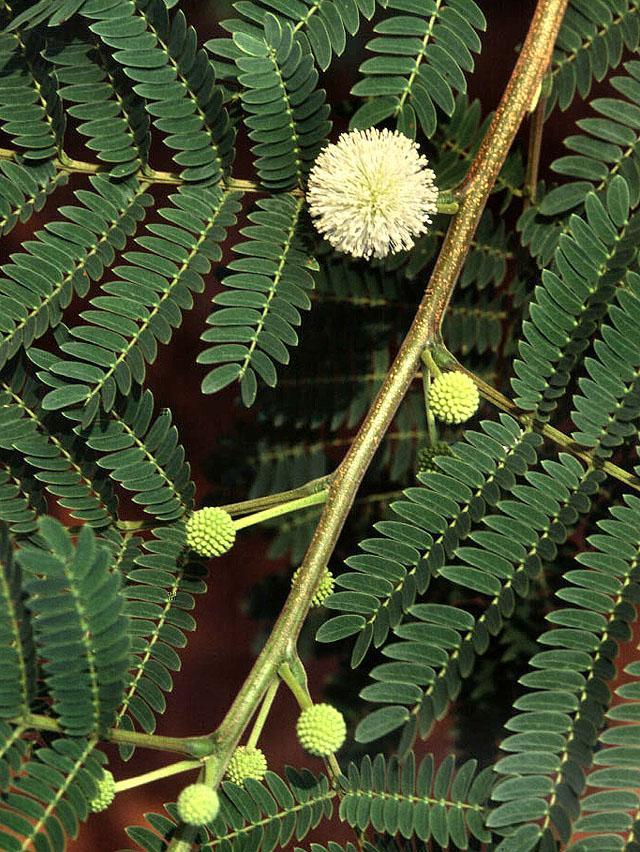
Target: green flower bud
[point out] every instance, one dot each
(198, 804)
(321, 729)
(246, 762)
(106, 793)
(426, 458)
(210, 531)
(453, 397)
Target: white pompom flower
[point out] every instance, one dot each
(371, 193)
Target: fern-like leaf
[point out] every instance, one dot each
(85, 674)
(174, 77)
(30, 108)
(17, 648)
(288, 116)
(112, 116)
(160, 585)
(424, 801)
(556, 729)
(51, 796)
(260, 306)
(572, 297)
(591, 40)
(125, 323)
(257, 816)
(608, 147)
(62, 462)
(63, 259)
(321, 24)
(609, 817)
(608, 403)
(24, 190)
(423, 53)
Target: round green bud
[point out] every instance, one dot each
(453, 397)
(198, 804)
(210, 531)
(426, 458)
(246, 762)
(321, 729)
(105, 794)
(325, 586)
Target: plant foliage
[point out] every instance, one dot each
(152, 193)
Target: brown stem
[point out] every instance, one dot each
(555, 435)
(536, 131)
(425, 331)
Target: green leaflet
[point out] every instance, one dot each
(85, 674)
(609, 146)
(608, 401)
(174, 77)
(569, 303)
(321, 24)
(63, 259)
(24, 190)
(17, 649)
(51, 796)
(143, 305)
(421, 56)
(287, 115)
(259, 307)
(112, 116)
(561, 712)
(591, 40)
(159, 590)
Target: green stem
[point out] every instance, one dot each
(257, 503)
(194, 746)
(281, 509)
(432, 429)
(244, 507)
(446, 202)
(300, 693)
(157, 774)
(261, 718)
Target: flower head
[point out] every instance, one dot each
(198, 804)
(210, 531)
(371, 193)
(324, 589)
(321, 729)
(105, 793)
(246, 762)
(453, 397)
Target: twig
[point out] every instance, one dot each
(447, 203)
(555, 435)
(536, 130)
(193, 746)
